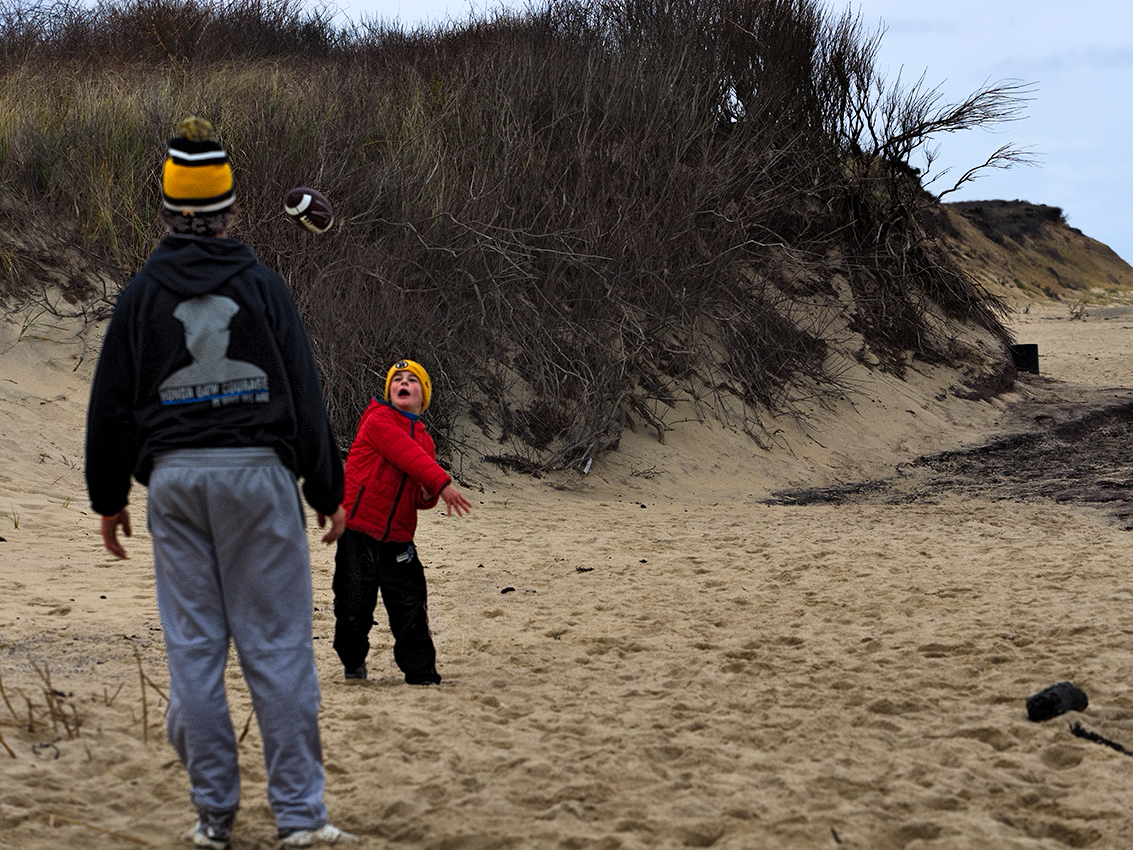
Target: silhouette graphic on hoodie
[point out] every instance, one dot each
(212, 376)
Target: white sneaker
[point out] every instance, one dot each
(323, 835)
(211, 831)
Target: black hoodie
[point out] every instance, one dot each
(205, 349)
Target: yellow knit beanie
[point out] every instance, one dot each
(196, 177)
(422, 376)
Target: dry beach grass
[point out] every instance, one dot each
(646, 657)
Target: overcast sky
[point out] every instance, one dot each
(1077, 55)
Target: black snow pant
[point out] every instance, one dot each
(364, 566)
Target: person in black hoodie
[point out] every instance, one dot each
(206, 392)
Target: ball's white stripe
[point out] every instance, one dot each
(301, 206)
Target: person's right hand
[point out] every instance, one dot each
(110, 532)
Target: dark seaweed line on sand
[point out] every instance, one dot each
(1086, 459)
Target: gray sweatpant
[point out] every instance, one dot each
(231, 561)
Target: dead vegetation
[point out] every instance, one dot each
(44, 719)
(576, 216)
(1069, 454)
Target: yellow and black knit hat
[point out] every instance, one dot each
(422, 377)
(197, 177)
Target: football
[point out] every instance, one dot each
(309, 209)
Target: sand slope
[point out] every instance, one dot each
(647, 657)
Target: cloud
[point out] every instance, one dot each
(1099, 59)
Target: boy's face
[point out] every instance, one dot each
(405, 392)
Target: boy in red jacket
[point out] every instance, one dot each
(391, 473)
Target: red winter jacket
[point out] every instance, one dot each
(391, 459)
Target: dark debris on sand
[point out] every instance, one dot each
(1076, 447)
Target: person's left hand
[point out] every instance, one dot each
(337, 524)
(454, 501)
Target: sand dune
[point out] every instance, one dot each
(645, 657)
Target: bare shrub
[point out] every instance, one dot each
(161, 32)
(574, 217)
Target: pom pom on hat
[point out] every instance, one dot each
(197, 176)
(422, 376)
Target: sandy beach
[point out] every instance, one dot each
(648, 656)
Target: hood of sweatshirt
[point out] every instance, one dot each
(196, 265)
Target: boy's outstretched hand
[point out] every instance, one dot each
(454, 501)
